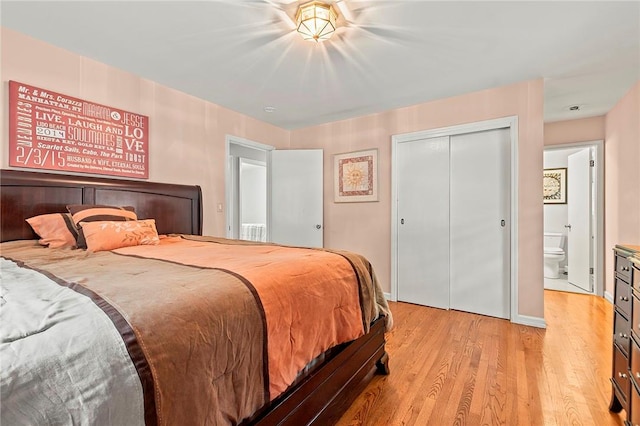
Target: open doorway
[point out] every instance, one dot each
(574, 228)
(252, 197)
(248, 190)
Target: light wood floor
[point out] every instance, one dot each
(456, 368)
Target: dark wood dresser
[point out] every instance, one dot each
(625, 380)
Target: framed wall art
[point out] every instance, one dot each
(53, 131)
(355, 176)
(554, 186)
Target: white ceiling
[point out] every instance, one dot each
(244, 54)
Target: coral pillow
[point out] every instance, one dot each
(56, 230)
(109, 235)
(93, 213)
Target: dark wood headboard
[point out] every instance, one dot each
(176, 208)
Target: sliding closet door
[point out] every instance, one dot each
(423, 221)
(479, 222)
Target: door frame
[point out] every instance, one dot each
(500, 123)
(598, 223)
(231, 198)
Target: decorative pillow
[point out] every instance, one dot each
(109, 235)
(93, 213)
(56, 230)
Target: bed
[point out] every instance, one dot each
(321, 390)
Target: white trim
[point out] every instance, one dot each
(499, 123)
(530, 321)
(598, 243)
(387, 295)
(599, 272)
(236, 140)
(515, 307)
(608, 297)
(395, 139)
(229, 193)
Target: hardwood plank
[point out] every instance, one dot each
(457, 368)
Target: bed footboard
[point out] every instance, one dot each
(325, 395)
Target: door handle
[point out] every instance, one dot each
(401, 221)
(318, 226)
(503, 223)
(568, 226)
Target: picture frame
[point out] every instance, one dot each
(554, 186)
(355, 176)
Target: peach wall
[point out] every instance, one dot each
(572, 131)
(187, 143)
(622, 177)
(187, 134)
(366, 227)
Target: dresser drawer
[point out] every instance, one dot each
(635, 316)
(635, 364)
(635, 276)
(621, 375)
(623, 296)
(635, 407)
(622, 334)
(623, 267)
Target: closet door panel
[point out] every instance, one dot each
(423, 222)
(480, 202)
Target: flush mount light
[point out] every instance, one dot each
(269, 109)
(316, 21)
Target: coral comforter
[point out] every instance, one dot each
(207, 330)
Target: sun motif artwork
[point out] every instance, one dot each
(551, 186)
(554, 186)
(356, 176)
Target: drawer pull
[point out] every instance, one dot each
(622, 375)
(625, 268)
(624, 298)
(623, 335)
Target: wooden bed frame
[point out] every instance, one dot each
(320, 398)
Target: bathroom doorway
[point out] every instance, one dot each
(247, 190)
(579, 219)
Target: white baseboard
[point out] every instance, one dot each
(609, 297)
(530, 321)
(520, 319)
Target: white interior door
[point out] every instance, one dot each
(297, 197)
(480, 222)
(423, 221)
(579, 227)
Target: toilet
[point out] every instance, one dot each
(553, 254)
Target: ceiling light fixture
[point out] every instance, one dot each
(316, 21)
